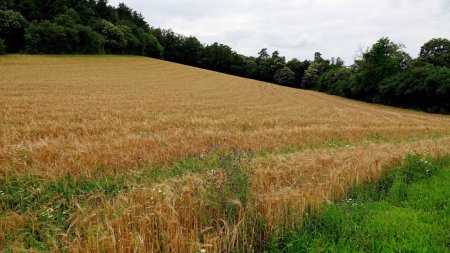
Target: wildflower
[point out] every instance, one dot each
(203, 251)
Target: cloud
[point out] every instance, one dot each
(298, 28)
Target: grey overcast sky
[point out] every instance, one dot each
(298, 28)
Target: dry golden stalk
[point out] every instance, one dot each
(172, 217)
(72, 115)
(96, 116)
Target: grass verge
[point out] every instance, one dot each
(406, 211)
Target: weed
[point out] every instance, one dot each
(228, 185)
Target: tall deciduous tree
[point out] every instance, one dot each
(284, 76)
(263, 61)
(299, 68)
(436, 52)
(314, 71)
(116, 41)
(191, 51)
(12, 30)
(426, 88)
(382, 60)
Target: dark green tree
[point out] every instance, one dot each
(425, 88)
(172, 43)
(12, 30)
(284, 76)
(116, 41)
(336, 81)
(2, 47)
(89, 41)
(299, 68)
(222, 58)
(47, 37)
(105, 11)
(69, 18)
(318, 57)
(314, 72)
(149, 44)
(250, 68)
(277, 62)
(49, 9)
(191, 51)
(381, 61)
(131, 17)
(312, 75)
(436, 52)
(264, 63)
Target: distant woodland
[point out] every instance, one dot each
(383, 73)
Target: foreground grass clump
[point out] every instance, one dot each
(36, 212)
(41, 214)
(407, 211)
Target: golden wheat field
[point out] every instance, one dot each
(120, 117)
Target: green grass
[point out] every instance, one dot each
(407, 211)
(46, 205)
(343, 142)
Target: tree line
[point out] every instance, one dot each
(384, 73)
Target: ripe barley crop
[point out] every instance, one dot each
(135, 122)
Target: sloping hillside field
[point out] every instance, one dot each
(131, 154)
